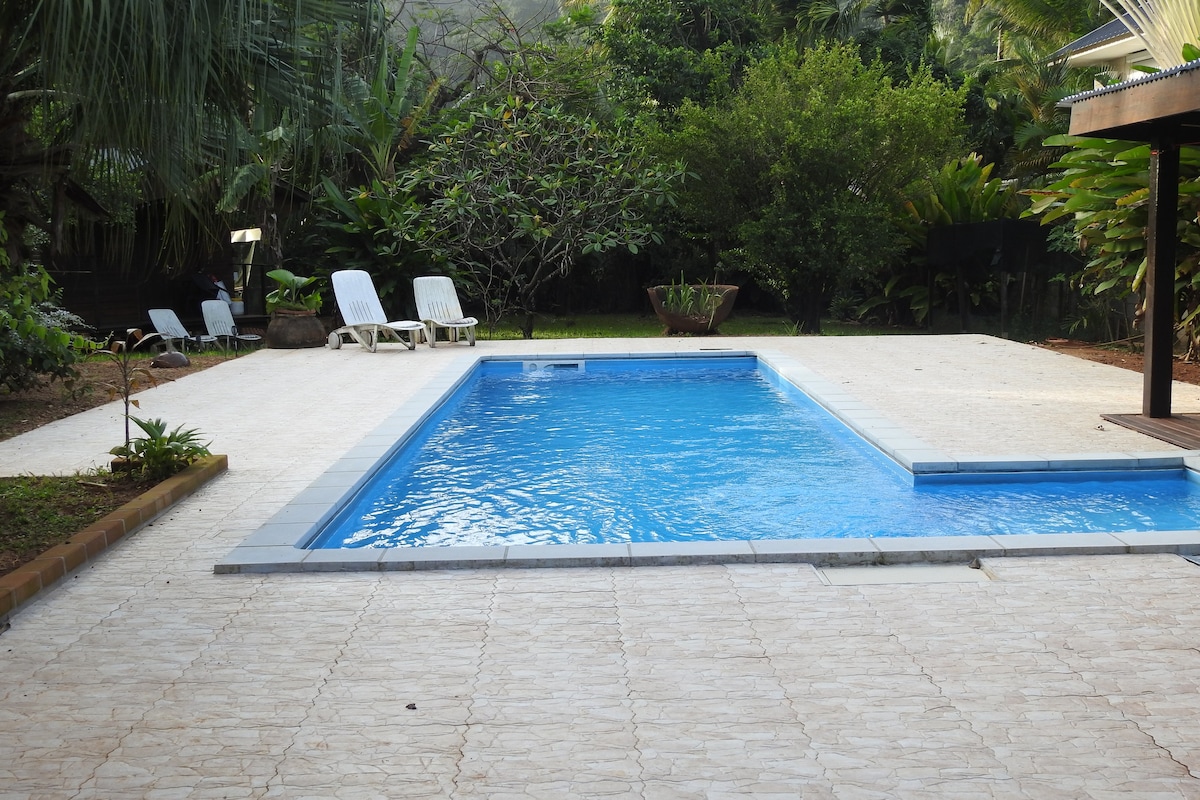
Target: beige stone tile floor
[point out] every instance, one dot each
(146, 676)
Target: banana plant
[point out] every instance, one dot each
(380, 115)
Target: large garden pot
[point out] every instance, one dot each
(291, 329)
(710, 306)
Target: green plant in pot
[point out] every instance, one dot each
(692, 307)
(293, 306)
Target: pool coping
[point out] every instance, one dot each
(278, 545)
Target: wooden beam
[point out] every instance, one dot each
(1138, 112)
(1159, 319)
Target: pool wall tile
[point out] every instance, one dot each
(1183, 542)
(821, 552)
(1048, 544)
(568, 555)
(357, 560)
(250, 559)
(470, 557)
(670, 553)
(919, 549)
(1021, 463)
(1092, 461)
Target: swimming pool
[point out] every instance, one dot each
(721, 507)
(703, 449)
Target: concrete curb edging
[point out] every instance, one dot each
(23, 583)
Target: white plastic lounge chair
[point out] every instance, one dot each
(219, 321)
(166, 323)
(437, 306)
(363, 314)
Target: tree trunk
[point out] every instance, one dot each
(806, 312)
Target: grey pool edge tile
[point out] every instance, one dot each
(674, 553)
(1180, 542)
(568, 555)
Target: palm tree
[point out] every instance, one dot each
(1046, 23)
(161, 89)
(1166, 27)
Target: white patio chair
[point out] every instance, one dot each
(362, 313)
(438, 307)
(219, 321)
(166, 323)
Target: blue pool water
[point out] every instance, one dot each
(649, 450)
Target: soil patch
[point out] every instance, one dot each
(37, 513)
(1121, 356)
(24, 411)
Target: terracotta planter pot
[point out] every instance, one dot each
(292, 329)
(702, 324)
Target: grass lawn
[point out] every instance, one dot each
(38, 512)
(648, 326)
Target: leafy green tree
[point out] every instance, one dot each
(676, 50)
(517, 193)
(800, 171)
(159, 90)
(1044, 23)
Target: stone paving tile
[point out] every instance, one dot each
(146, 676)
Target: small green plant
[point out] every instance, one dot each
(692, 300)
(293, 292)
(130, 377)
(160, 454)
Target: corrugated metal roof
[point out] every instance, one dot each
(1108, 32)
(1120, 87)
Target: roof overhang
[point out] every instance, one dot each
(1165, 104)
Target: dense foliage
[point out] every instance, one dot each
(1103, 194)
(800, 170)
(516, 194)
(506, 143)
(37, 337)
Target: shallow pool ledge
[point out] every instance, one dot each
(819, 552)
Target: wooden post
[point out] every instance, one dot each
(1159, 319)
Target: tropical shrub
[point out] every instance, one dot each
(961, 192)
(800, 170)
(1103, 192)
(36, 335)
(160, 453)
(292, 292)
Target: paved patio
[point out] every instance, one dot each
(146, 675)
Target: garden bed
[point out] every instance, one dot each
(49, 566)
